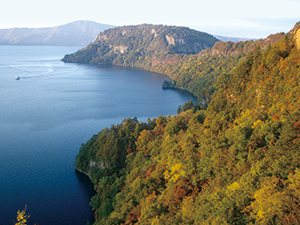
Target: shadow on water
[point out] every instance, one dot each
(184, 93)
(87, 187)
(44, 120)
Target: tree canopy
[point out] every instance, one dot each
(236, 162)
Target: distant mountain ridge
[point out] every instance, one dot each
(233, 39)
(78, 33)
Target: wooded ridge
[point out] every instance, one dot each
(235, 162)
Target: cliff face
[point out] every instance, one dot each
(198, 73)
(296, 32)
(129, 45)
(158, 38)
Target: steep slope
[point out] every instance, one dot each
(198, 73)
(238, 162)
(193, 60)
(78, 33)
(142, 45)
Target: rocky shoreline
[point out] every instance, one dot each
(87, 174)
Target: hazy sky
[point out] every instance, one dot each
(240, 18)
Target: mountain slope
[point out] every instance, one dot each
(237, 162)
(192, 59)
(139, 45)
(198, 73)
(78, 33)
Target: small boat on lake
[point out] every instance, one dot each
(17, 77)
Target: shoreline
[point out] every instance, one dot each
(87, 174)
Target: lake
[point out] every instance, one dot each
(47, 115)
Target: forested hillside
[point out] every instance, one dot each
(198, 73)
(142, 45)
(236, 162)
(192, 59)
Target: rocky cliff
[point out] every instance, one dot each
(129, 45)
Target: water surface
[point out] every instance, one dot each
(46, 116)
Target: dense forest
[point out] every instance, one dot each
(198, 73)
(192, 59)
(235, 161)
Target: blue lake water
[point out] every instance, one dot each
(45, 117)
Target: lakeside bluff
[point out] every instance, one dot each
(192, 59)
(141, 45)
(235, 161)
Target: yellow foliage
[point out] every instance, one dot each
(22, 217)
(269, 201)
(294, 182)
(144, 138)
(155, 221)
(219, 221)
(167, 175)
(176, 172)
(243, 120)
(187, 207)
(257, 123)
(235, 186)
(273, 203)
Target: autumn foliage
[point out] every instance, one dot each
(237, 162)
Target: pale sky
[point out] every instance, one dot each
(237, 18)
